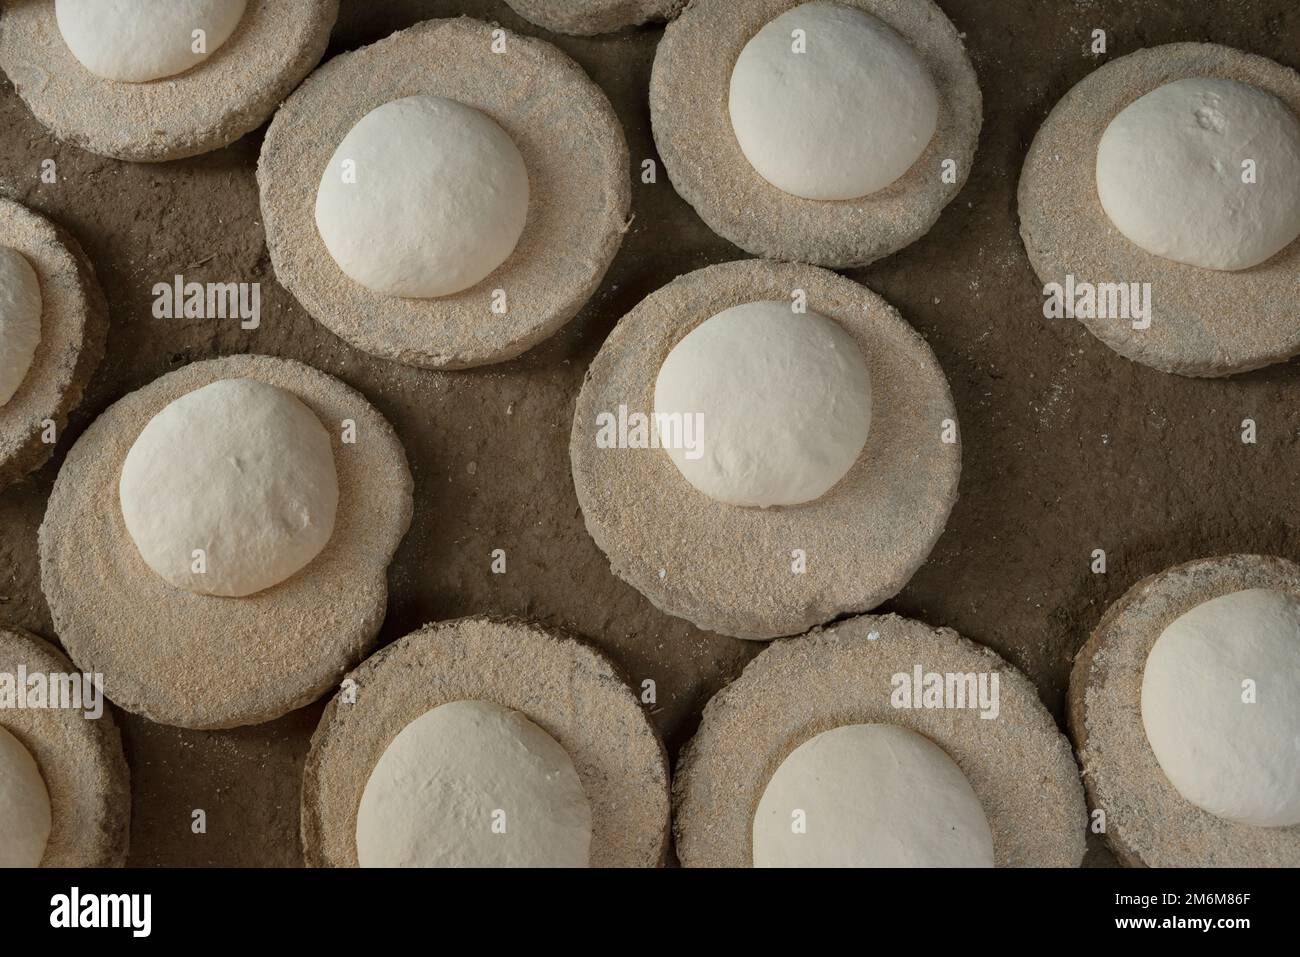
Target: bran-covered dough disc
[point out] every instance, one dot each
(1148, 823)
(207, 661)
(566, 687)
(588, 17)
(1203, 322)
(275, 45)
(74, 326)
(579, 192)
(689, 92)
(730, 568)
(1018, 763)
(80, 760)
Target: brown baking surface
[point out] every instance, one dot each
(1067, 448)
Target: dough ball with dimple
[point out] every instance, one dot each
(243, 471)
(473, 784)
(1221, 706)
(139, 40)
(24, 806)
(762, 405)
(1203, 171)
(870, 795)
(20, 320)
(830, 103)
(424, 197)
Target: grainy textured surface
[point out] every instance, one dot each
(586, 17)
(1147, 821)
(578, 185)
(74, 323)
(1018, 763)
(275, 45)
(567, 688)
(1204, 322)
(1066, 447)
(689, 92)
(730, 569)
(80, 760)
(207, 661)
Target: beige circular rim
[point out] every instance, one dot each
(692, 129)
(590, 17)
(80, 760)
(205, 661)
(568, 688)
(1148, 823)
(1204, 322)
(1019, 763)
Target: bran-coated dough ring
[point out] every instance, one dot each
(589, 17)
(579, 191)
(1204, 322)
(1019, 764)
(80, 760)
(689, 91)
(565, 686)
(728, 568)
(206, 661)
(233, 91)
(74, 326)
(1148, 823)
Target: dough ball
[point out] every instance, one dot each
(1170, 168)
(782, 400)
(871, 795)
(240, 469)
(424, 197)
(1236, 760)
(473, 784)
(139, 40)
(24, 806)
(842, 119)
(20, 320)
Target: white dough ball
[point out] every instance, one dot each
(139, 40)
(843, 118)
(870, 795)
(240, 469)
(473, 784)
(20, 320)
(24, 806)
(1236, 759)
(424, 197)
(1170, 171)
(783, 400)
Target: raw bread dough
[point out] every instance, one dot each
(20, 320)
(872, 795)
(1236, 760)
(784, 401)
(1169, 173)
(139, 40)
(239, 468)
(24, 806)
(843, 119)
(439, 200)
(440, 793)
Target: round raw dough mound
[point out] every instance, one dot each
(1170, 173)
(454, 775)
(20, 320)
(437, 203)
(139, 40)
(871, 795)
(790, 441)
(240, 469)
(25, 816)
(1236, 759)
(839, 119)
